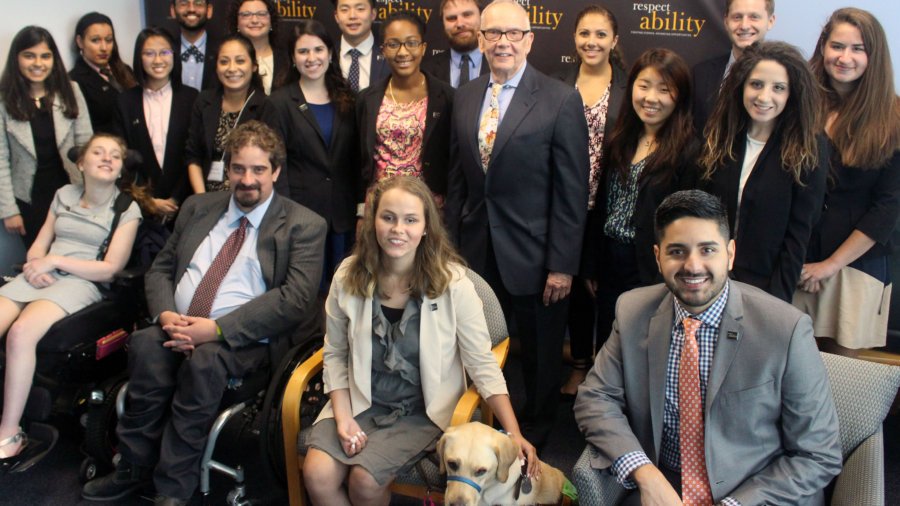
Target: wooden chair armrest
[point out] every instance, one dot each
(465, 407)
(290, 422)
(501, 351)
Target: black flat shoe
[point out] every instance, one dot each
(34, 448)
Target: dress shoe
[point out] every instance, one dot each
(125, 480)
(162, 500)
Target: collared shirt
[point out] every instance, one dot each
(96, 69)
(505, 96)
(365, 60)
(244, 280)
(157, 110)
(475, 58)
(192, 71)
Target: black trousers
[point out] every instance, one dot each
(172, 403)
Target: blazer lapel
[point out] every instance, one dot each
(436, 101)
(727, 345)
(305, 112)
(522, 101)
(62, 126)
(21, 131)
(267, 241)
(204, 221)
(471, 115)
(429, 369)
(211, 120)
(373, 104)
(659, 337)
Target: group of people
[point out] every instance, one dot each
(375, 175)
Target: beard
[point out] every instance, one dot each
(199, 25)
(463, 44)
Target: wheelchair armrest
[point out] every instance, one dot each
(290, 420)
(128, 275)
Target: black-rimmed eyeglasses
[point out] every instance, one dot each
(394, 45)
(511, 35)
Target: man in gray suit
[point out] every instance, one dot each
(236, 280)
(765, 431)
(517, 197)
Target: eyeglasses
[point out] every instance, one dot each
(196, 3)
(245, 15)
(394, 45)
(163, 53)
(511, 35)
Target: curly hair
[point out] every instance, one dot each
(431, 268)
(255, 133)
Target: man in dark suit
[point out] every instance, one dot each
(463, 62)
(517, 197)
(746, 22)
(358, 57)
(235, 282)
(709, 390)
(198, 50)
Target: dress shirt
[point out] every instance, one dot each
(192, 71)
(365, 60)
(505, 97)
(96, 69)
(475, 58)
(244, 281)
(157, 109)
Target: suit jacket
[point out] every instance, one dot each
(532, 200)
(289, 245)
(99, 95)
(18, 158)
(618, 88)
(322, 178)
(771, 430)
(776, 216)
(201, 141)
(439, 66)
(170, 180)
(707, 79)
(452, 327)
(436, 140)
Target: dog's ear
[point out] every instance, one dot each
(440, 449)
(506, 453)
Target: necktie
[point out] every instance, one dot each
(192, 52)
(353, 75)
(201, 302)
(464, 65)
(106, 72)
(487, 128)
(694, 478)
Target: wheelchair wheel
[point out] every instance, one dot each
(88, 470)
(100, 438)
(271, 442)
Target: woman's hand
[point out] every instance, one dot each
(812, 275)
(42, 281)
(528, 453)
(39, 268)
(353, 439)
(14, 224)
(166, 207)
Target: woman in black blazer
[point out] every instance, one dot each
(764, 160)
(99, 71)
(845, 285)
(237, 97)
(258, 21)
(601, 79)
(159, 76)
(313, 112)
(404, 120)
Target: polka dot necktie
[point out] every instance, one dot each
(202, 301)
(487, 128)
(694, 478)
(465, 63)
(353, 74)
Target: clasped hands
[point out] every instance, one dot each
(38, 271)
(186, 332)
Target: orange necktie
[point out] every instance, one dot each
(694, 478)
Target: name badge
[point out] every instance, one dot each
(216, 171)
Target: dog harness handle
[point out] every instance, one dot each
(463, 479)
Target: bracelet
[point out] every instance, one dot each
(219, 333)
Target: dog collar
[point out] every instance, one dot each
(463, 479)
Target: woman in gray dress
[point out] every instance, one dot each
(60, 273)
(404, 327)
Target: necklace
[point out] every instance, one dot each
(391, 88)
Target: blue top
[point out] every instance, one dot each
(325, 118)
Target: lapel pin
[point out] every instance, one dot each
(732, 334)
(303, 107)
(434, 306)
(136, 122)
(436, 114)
(105, 88)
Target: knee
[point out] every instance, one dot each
(321, 473)
(363, 486)
(21, 338)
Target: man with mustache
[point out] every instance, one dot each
(709, 391)
(232, 289)
(198, 51)
(463, 62)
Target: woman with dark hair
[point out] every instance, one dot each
(313, 111)
(60, 277)
(404, 119)
(764, 159)
(845, 284)
(393, 370)
(651, 155)
(600, 76)
(258, 21)
(238, 97)
(99, 71)
(37, 101)
(150, 119)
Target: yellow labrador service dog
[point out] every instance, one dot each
(483, 468)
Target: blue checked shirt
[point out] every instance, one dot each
(707, 336)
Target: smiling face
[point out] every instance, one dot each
(97, 44)
(403, 61)
(461, 21)
(766, 92)
(251, 176)
(191, 15)
(254, 20)
(652, 98)
(102, 161)
(694, 259)
(312, 57)
(594, 39)
(36, 63)
(845, 55)
(234, 67)
(505, 57)
(747, 21)
(157, 60)
(354, 18)
(399, 225)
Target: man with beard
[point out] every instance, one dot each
(709, 390)
(232, 289)
(198, 52)
(463, 62)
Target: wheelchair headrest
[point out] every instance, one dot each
(133, 158)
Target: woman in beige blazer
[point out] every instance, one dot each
(404, 326)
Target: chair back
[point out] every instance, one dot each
(493, 313)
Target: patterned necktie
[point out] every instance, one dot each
(353, 75)
(464, 65)
(694, 478)
(202, 301)
(192, 52)
(106, 72)
(487, 128)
